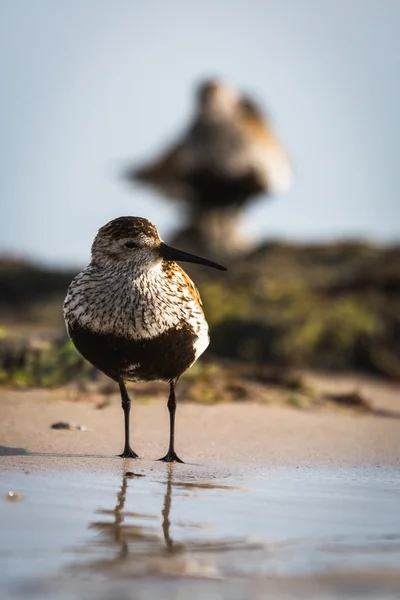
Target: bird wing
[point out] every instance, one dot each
(193, 291)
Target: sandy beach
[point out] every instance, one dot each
(273, 502)
(244, 434)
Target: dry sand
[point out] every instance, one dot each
(240, 433)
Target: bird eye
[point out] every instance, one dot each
(130, 245)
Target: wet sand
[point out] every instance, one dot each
(272, 503)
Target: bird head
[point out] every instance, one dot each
(136, 241)
(216, 99)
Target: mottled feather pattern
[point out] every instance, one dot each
(127, 227)
(171, 269)
(135, 315)
(133, 304)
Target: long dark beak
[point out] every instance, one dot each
(173, 254)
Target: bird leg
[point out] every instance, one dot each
(171, 455)
(126, 405)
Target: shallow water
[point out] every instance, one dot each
(178, 531)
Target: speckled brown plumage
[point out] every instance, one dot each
(135, 314)
(127, 227)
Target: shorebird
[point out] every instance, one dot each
(135, 315)
(228, 155)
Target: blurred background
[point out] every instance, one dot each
(302, 145)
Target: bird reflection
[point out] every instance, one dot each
(139, 546)
(119, 518)
(122, 533)
(166, 523)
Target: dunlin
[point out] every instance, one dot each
(135, 314)
(228, 155)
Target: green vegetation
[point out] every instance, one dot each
(332, 307)
(24, 363)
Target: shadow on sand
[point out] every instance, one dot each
(9, 451)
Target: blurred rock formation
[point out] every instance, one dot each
(227, 156)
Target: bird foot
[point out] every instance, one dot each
(128, 453)
(171, 457)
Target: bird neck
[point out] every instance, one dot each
(126, 271)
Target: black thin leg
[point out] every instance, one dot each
(171, 455)
(126, 405)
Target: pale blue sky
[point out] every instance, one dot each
(86, 84)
